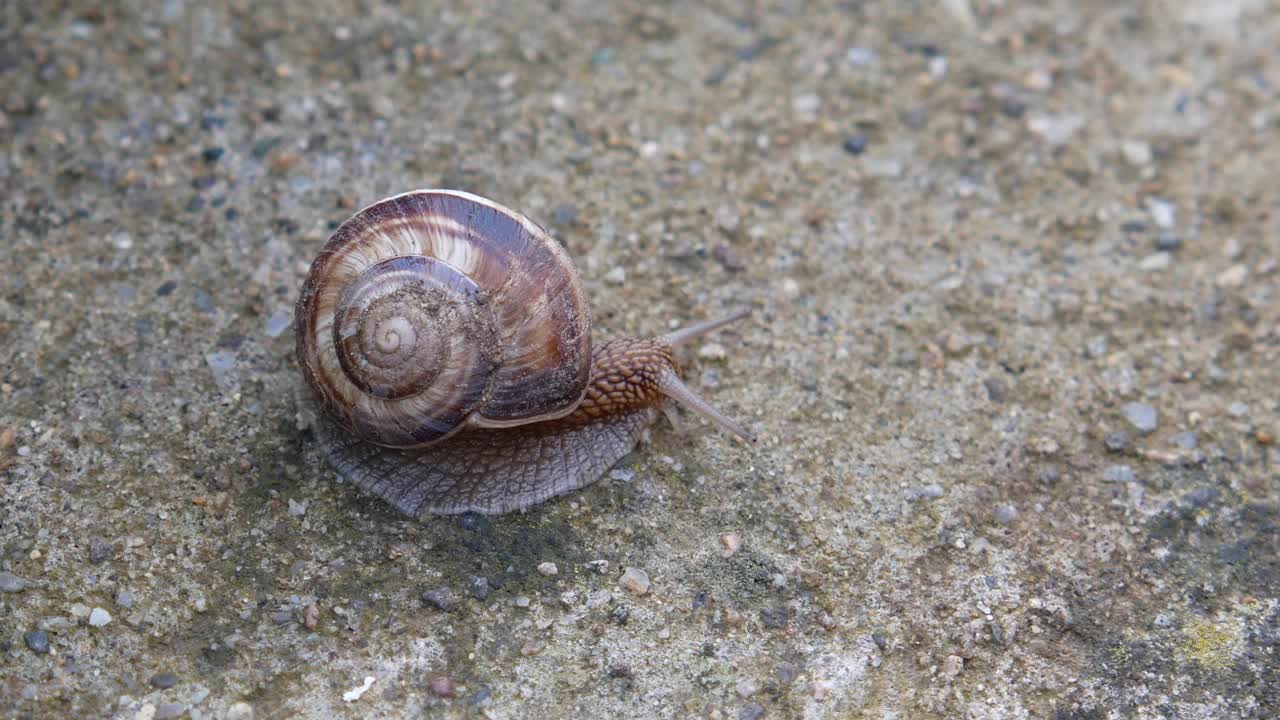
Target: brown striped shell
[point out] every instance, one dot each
(433, 310)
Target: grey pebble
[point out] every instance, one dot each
(124, 599)
(168, 711)
(1119, 474)
(479, 586)
(279, 321)
(855, 144)
(164, 680)
(995, 390)
(204, 301)
(879, 640)
(1168, 242)
(99, 550)
(1006, 514)
(38, 641)
(11, 583)
(1186, 440)
(283, 617)
(751, 712)
(932, 491)
(1200, 497)
(1142, 416)
(1096, 347)
(774, 617)
(1117, 441)
(1049, 475)
(439, 598)
(786, 672)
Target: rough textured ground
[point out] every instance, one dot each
(1013, 359)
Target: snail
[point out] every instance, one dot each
(447, 341)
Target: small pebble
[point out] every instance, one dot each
(751, 712)
(548, 568)
(1049, 475)
(1155, 262)
(278, 322)
(731, 542)
(1238, 409)
(1006, 514)
(1119, 474)
(311, 617)
(733, 618)
(1186, 440)
(522, 601)
(728, 258)
(212, 155)
(8, 437)
(479, 586)
(616, 276)
(1117, 441)
(532, 647)
(240, 711)
(746, 688)
(1163, 213)
(634, 580)
(164, 680)
(786, 672)
(124, 599)
(932, 491)
(1136, 152)
(855, 144)
(38, 641)
(1168, 242)
(99, 617)
(442, 687)
(439, 598)
(712, 351)
(996, 391)
(99, 550)
(297, 509)
(168, 711)
(11, 583)
(1142, 416)
(354, 693)
(860, 56)
(774, 617)
(1233, 276)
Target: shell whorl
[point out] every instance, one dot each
(433, 309)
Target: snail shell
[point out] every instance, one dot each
(448, 342)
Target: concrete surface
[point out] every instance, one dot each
(1014, 359)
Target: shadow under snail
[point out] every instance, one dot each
(448, 342)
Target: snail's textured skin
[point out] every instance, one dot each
(493, 471)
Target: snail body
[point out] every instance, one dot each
(448, 343)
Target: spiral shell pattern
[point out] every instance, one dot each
(435, 309)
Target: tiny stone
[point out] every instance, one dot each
(1119, 474)
(774, 618)
(634, 580)
(522, 601)
(38, 641)
(311, 617)
(164, 680)
(212, 155)
(995, 390)
(168, 711)
(282, 617)
(712, 351)
(1142, 416)
(1117, 441)
(548, 568)
(1186, 440)
(1168, 242)
(860, 56)
(952, 665)
(297, 509)
(1238, 409)
(1163, 213)
(240, 711)
(728, 258)
(441, 599)
(932, 491)
(746, 688)
(99, 550)
(532, 647)
(855, 144)
(731, 542)
(622, 475)
(879, 640)
(1096, 347)
(1006, 514)
(733, 618)
(442, 687)
(1049, 475)
(99, 617)
(1233, 276)
(279, 321)
(620, 615)
(806, 104)
(124, 599)
(619, 671)
(616, 276)
(479, 586)
(1163, 621)
(80, 611)
(1136, 152)
(1156, 261)
(786, 672)
(751, 712)
(11, 583)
